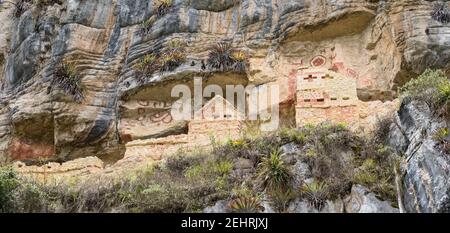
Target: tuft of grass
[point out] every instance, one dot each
(220, 56)
(67, 78)
(221, 168)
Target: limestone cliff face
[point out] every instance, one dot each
(427, 175)
(381, 44)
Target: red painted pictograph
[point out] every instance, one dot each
(337, 66)
(318, 61)
(352, 73)
(292, 84)
(164, 117)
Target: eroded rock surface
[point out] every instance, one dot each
(375, 46)
(380, 44)
(426, 181)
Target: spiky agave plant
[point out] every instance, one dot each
(220, 56)
(272, 173)
(67, 78)
(246, 204)
(441, 12)
(316, 193)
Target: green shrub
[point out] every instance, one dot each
(30, 198)
(375, 171)
(432, 88)
(367, 173)
(9, 182)
(272, 173)
(67, 78)
(181, 162)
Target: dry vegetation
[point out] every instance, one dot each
(188, 183)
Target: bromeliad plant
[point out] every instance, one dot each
(67, 78)
(220, 56)
(224, 58)
(273, 174)
(146, 66)
(316, 193)
(171, 56)
(246, 204)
